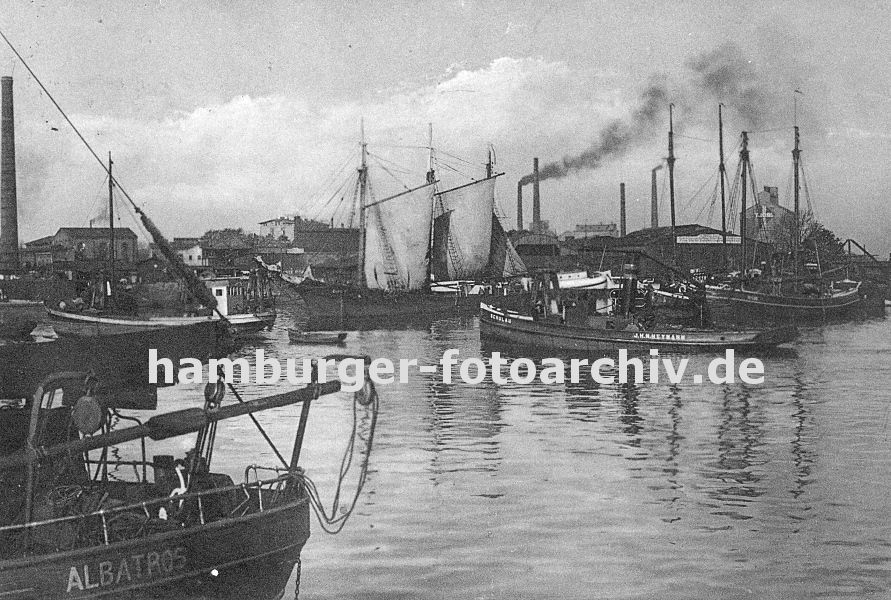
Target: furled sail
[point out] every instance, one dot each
(397, 234)
(470, 227)
(439, 253)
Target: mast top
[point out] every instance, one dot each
(431, 173)
(362, 144)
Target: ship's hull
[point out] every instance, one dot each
(521, 330)
(328, 308)
(19, 317)
(754, 306)
(235, 557)
(78, 324)
(120, 358)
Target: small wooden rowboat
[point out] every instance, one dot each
(316, 337)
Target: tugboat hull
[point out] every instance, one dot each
(522, 330)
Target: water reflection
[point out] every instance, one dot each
(633, 490)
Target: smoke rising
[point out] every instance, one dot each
(614, 139)
(724, 74)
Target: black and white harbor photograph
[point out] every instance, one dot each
(468, 299)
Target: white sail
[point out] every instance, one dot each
(397, 232)
(513, 264)
(470, 228)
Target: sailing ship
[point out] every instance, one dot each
(74, 524)
(407, 241)
(790, 297)
(551, 321)
(247, 303)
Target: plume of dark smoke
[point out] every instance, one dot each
(614, 139)
(726, 74)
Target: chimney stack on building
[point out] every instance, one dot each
(622, 209)
(9, 227)
(536, 199)
(520, 205)
(654, 195)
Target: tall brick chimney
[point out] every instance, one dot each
(622, 209)
(520, 205)
(536, 199)
(9, 226)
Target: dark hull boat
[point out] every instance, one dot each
(19, 317)
(513, 328)
(738, 304)
(328, 307)
(319, 337)
(178, 562)
(119, 359)
(69, 530)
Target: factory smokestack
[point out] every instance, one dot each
(9, 226)
(536, 199)
(622, 209)
(654, 195)
(519, 206)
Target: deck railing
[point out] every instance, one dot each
(103, 526)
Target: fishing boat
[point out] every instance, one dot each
(414, 247)
(788, 296)
(87, 512)
(554, 323)
(247, 303)
(245, 309)
(297, 336)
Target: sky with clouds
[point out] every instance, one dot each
(228, 113)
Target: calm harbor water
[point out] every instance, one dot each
(780, 490)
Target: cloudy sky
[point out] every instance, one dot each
(227, 113)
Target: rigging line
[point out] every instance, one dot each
(393, 165)
(331, 178)
(451, 168)
(699, 191)
(402, 146)
(317, 206)
(698, 139)
(330, 199)
(807, 192)
(96, 202)
(772, 130)
(387, 171)
(70, 123)
(458, 158)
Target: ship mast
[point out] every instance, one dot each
(796, 158)
(722, 175)
(431, 173)
(744, 161)
(363, 183)
(674, 243)
(111, 276)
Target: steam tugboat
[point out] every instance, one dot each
(559, 322)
